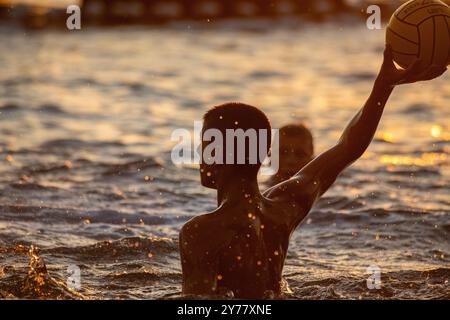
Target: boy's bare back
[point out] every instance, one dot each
(244, 245)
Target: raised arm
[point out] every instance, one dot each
(316, 177)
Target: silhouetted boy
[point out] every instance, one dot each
(296, 150)
(242, 246)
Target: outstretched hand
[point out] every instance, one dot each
(392, 76)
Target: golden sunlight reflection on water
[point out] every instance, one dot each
(426, 159)
(80, 113)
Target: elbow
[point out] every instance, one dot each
(358, 153)
(353, 151)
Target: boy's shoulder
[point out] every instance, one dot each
(206, 230)
(198, 227)
(208, 222)
(197, 222)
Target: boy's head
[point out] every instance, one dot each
(296, 149)
(246, 127)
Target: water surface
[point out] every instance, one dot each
(86, 177)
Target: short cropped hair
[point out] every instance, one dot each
(239, 116)
(300, 131)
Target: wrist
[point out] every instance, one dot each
(382, 83)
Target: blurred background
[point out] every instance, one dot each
(86, 118)
(38, 14)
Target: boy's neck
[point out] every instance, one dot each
(237, 189)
